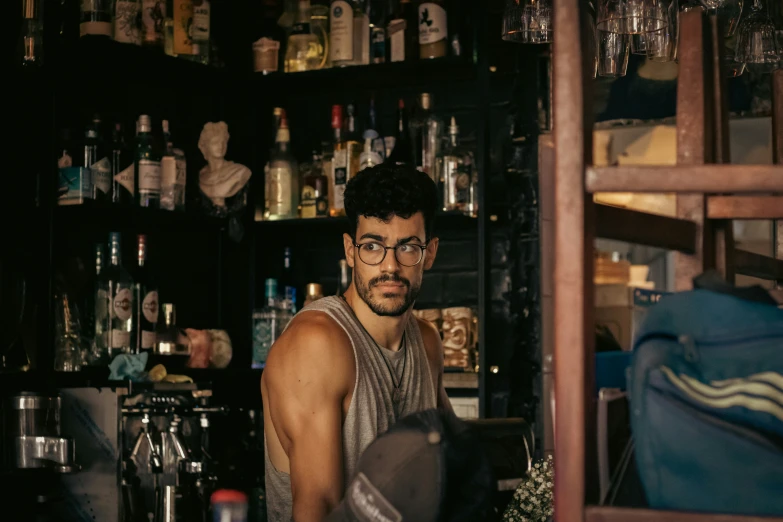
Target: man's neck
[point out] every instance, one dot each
(387, 331)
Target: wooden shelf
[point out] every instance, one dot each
(745, 207)
(443, 221)
(641, 228)
(615, 514)
(691, 178)
(756, 265)
(416, 73)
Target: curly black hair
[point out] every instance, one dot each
(389, 190)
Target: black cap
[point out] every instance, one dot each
(428, 467)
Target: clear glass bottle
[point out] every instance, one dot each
(169, 339)
(345, 160)
(268, 323)
(427, 131)
(456, 173)
(114, 318)
(173, 169)
(146, 299)
(93, 328)
(361, 34)
(304, 51)
(281, 183)
(319, 26)
(122, 169)
(96, 158)
(147, 165)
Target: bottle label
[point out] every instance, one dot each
(123, 304)
(101, 175)
(378, 50)
(148, 340)
(153, 15)
(126, 22)
(341, 31)
(125, 178)
(340, 169)
(397, 40)
(149, 176)
(149, 307)
(308, 202)
(119, 339)
(201, 22)
(278, 195)
(433, 26)
(183, 27)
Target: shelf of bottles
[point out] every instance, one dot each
(315, 189)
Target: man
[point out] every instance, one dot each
(348, 367)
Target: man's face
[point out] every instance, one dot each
(389, 288)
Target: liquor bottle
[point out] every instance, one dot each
(371, 130)
(341, 33)
(433, 29)
(303, 52)
(315, 190)
(402, 32)
(122, 169)
(95, 18)
(361, 34)
(456, 172)
(96, 158)
(268, 323)
(314, 293)
(127, 14)
(173, 173)
(147, 165)
(345, 279)
(146, 299)
(201, 30)
(378, 14)
(114, 305)
(94, 328)
(153, 16)
(287, 277)
(402, 153)
(281, 183)
(345, 160)
(427, 131)
(182, 22)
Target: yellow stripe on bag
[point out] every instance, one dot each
(775, 379)
(714, 397)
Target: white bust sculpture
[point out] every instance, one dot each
(220, 178)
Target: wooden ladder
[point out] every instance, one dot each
(711, 193)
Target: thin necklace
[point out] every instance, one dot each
(397, 392)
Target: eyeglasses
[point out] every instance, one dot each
(373, 253)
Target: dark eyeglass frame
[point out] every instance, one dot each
(386, 249)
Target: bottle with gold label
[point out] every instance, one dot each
(433, 29)
(314, 202)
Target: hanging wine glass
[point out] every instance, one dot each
(631, 16)
(728, 11)
(527, 21)
(662, 45)
(757, 45)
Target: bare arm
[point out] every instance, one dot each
(306, 381)
(434, 347)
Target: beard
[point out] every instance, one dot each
(386, 304)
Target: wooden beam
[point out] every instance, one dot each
(756, 265)
(641, 228)
(745, 207)
(619, 514)
(575, 476)
(697, 179)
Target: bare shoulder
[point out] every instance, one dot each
(313, 348)
(432, 342)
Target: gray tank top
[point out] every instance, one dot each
(371, 411)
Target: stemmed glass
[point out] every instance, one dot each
(757, 45)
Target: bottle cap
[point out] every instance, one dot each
(228, 496)
(144, 123)
(453, 127)
(165, 125)
(337, 116)
(270, 288)
(425, 100)
(114, 237)
(314, 290)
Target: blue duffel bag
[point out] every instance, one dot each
(706, 394)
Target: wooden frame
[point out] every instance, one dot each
(702, 123)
